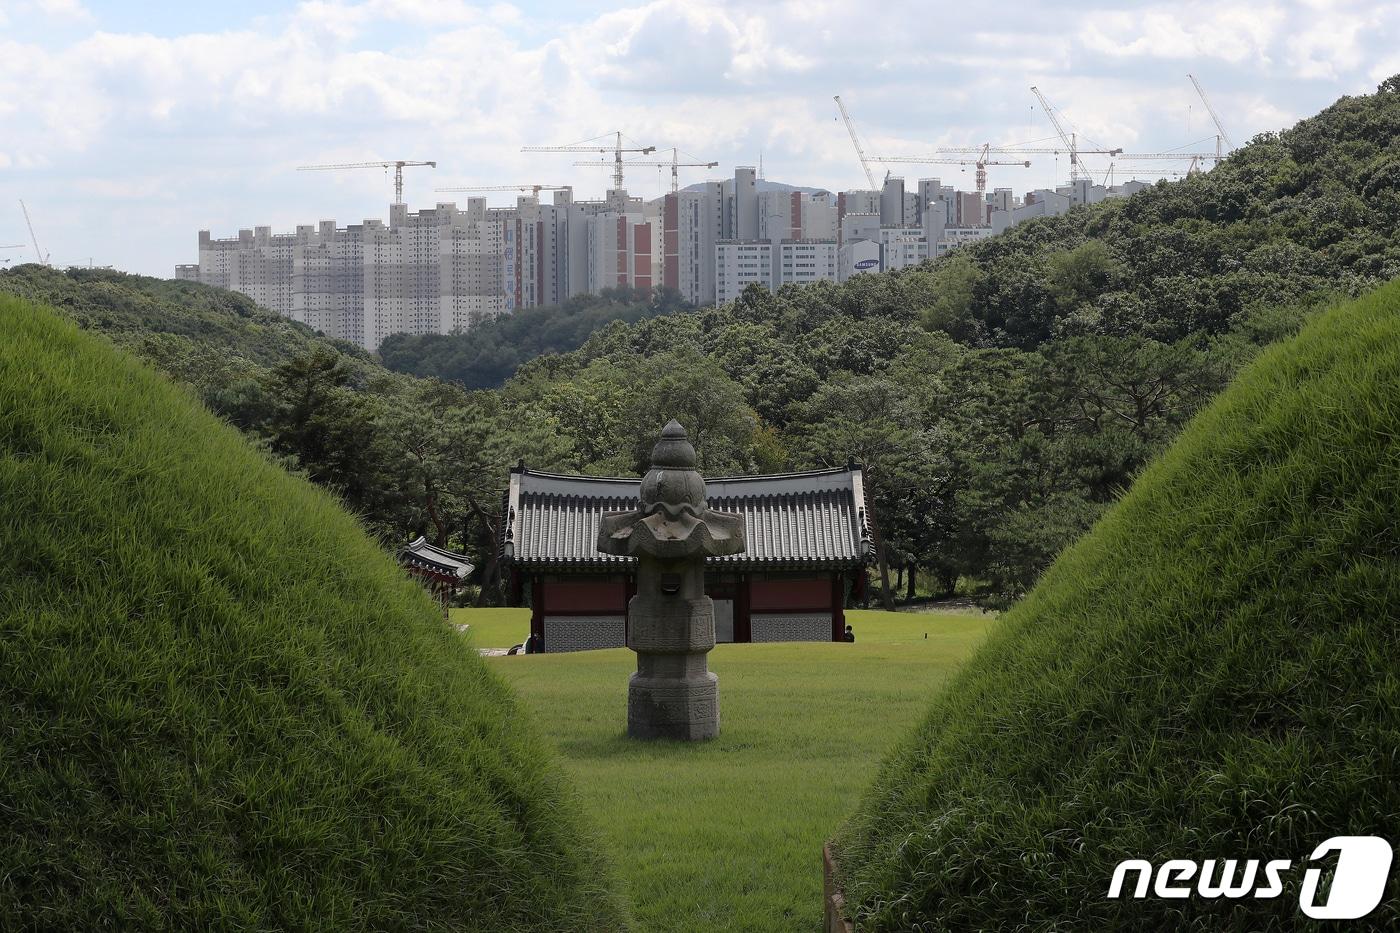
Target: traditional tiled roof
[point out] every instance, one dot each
(420, 555)
(816, 520)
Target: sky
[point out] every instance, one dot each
(127, 127)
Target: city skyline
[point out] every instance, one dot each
(114, 117)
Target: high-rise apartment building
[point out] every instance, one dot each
(892, 202)
(741, 263)
(901, 247)
(447, 269)
(801, 261)
(690, 230)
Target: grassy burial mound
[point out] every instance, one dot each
(1212, 672)
(223, 706)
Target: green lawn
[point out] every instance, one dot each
(727, 835)
(494, 628)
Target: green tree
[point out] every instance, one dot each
(954, 282)
(329, 430)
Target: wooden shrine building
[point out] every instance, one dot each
(441, 570)
(808, 544)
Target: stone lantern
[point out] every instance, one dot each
(671, 620)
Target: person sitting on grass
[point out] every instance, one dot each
(850, 635)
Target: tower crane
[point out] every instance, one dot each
(855, 141)
(616, 149)
(39, 254)
(1068, 138)
(982, 152)
(1195, 158)
(397, 165)
(533, 189)
(981, 162)
(674, 164)
(1219, 127)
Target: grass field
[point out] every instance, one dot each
(727, 835)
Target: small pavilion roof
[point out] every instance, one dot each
(815, 520)
(420, 555)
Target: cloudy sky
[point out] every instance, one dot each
(128, 126)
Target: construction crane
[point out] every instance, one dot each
(983, 151)
(616, 149)
(855, 141)
(674, 166)
(1067, 137)
(533, 189)
(981, 162)
(397, 165)
(1220, 127)
(1195, 158)
(38, 253)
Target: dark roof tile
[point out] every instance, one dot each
(814, 520)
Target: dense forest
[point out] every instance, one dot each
(1000, 397)
(492, 352)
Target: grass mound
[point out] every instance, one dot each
(223, 706)
(1212, 672)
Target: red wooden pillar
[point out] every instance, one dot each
(743, 620)
(537, 609)
(838, 607)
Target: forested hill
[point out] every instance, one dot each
(492, 351)
(217, 341)
(1310, 210)
(1004, 395)
(134, 308)
(1287, 217)
(1001, 397)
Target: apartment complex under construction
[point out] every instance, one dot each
(445, 269)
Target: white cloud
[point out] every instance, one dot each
(1233, 33)
(1330, 52)
(124, 189)
(70, 10)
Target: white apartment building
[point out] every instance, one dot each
(620, 251)
(689, 230)
(858, 202)
(447, 269)
(819, 216)
(892, 202)
(472, 271)
(856, 257)
(427, 272)
(739, 264)
(953, 237)
(779, 215)
(801, 261)
(901, 247)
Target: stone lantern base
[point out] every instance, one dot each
(664, 708)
